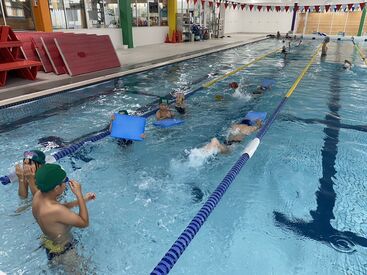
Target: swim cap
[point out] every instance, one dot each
(35, 155)
(218, 97)
(123, 112)
(49, 176)
(233, 85)
(163, 100)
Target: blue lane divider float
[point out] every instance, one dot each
(180, 245)
(11, 177)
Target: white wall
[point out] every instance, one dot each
(256, 22)
(149, 35)
(142, 35)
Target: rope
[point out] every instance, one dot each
(212, 82)
(180, 245)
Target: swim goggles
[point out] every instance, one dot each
(29, 154)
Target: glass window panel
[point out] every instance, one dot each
(134, 13)
(142, 12)
(112, 14)
(75, 14)
(57, 14)
(163, 12)
(95, 13)
(18, 8)
(153, 13)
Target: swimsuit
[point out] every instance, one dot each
(53, 249)
(230, 142)
(181, 110)
(124, 142)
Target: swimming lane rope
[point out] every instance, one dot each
(177, 249)
(360, 53)
(212, 82)
(75, 147)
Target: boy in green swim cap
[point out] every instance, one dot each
(32, 161)
(164, 112)
(54, 218)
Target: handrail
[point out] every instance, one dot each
(212, 82)
(360, 53)
(183, 241)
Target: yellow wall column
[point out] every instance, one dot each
(172, 11)
(42, 16)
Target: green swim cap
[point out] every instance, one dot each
(35, 155)
(49, 176)
(163, 100)
(123, 112)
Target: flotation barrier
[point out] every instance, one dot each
(128, 127)
(167, 123)
(251, 118)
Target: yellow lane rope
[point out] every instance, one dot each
(295, 84)
(212, 82)
(361, 53)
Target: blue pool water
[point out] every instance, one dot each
(312, 159)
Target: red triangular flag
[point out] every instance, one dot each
(277, 8)
(350, 6)
(268, 8)
(259, 8)
(210, 4)
(225, 5)
(327, 7)
(296, 8)
(234, 5)
(251, 7)
(286, 8)
(306, 8)
(218, 4)
(362, 5)
(317, 8)
(243, 6)
(195, 1)
(202, 3)
(338, 6)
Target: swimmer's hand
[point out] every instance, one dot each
(90, 196)
(19, 170)
(29, 171)
(76, 188)
(113, 117)
(143, 136)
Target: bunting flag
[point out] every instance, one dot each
(210, 4)
(203, 3)
(218, 4)
(195, 1)
(309, 8)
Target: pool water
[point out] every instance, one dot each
(298, 207)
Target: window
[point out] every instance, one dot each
(142, 12)
(57, 14)
(153, 13)
(163, 12)
(112, 14)
(75, 14)
(17, 8)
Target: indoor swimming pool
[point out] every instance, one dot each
(298, 207)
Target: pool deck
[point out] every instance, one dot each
(133, 60)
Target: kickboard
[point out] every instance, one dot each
(128, 127)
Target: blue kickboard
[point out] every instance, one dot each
(128, 127)
(166, 123)
(267, 83)
(251, 117)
